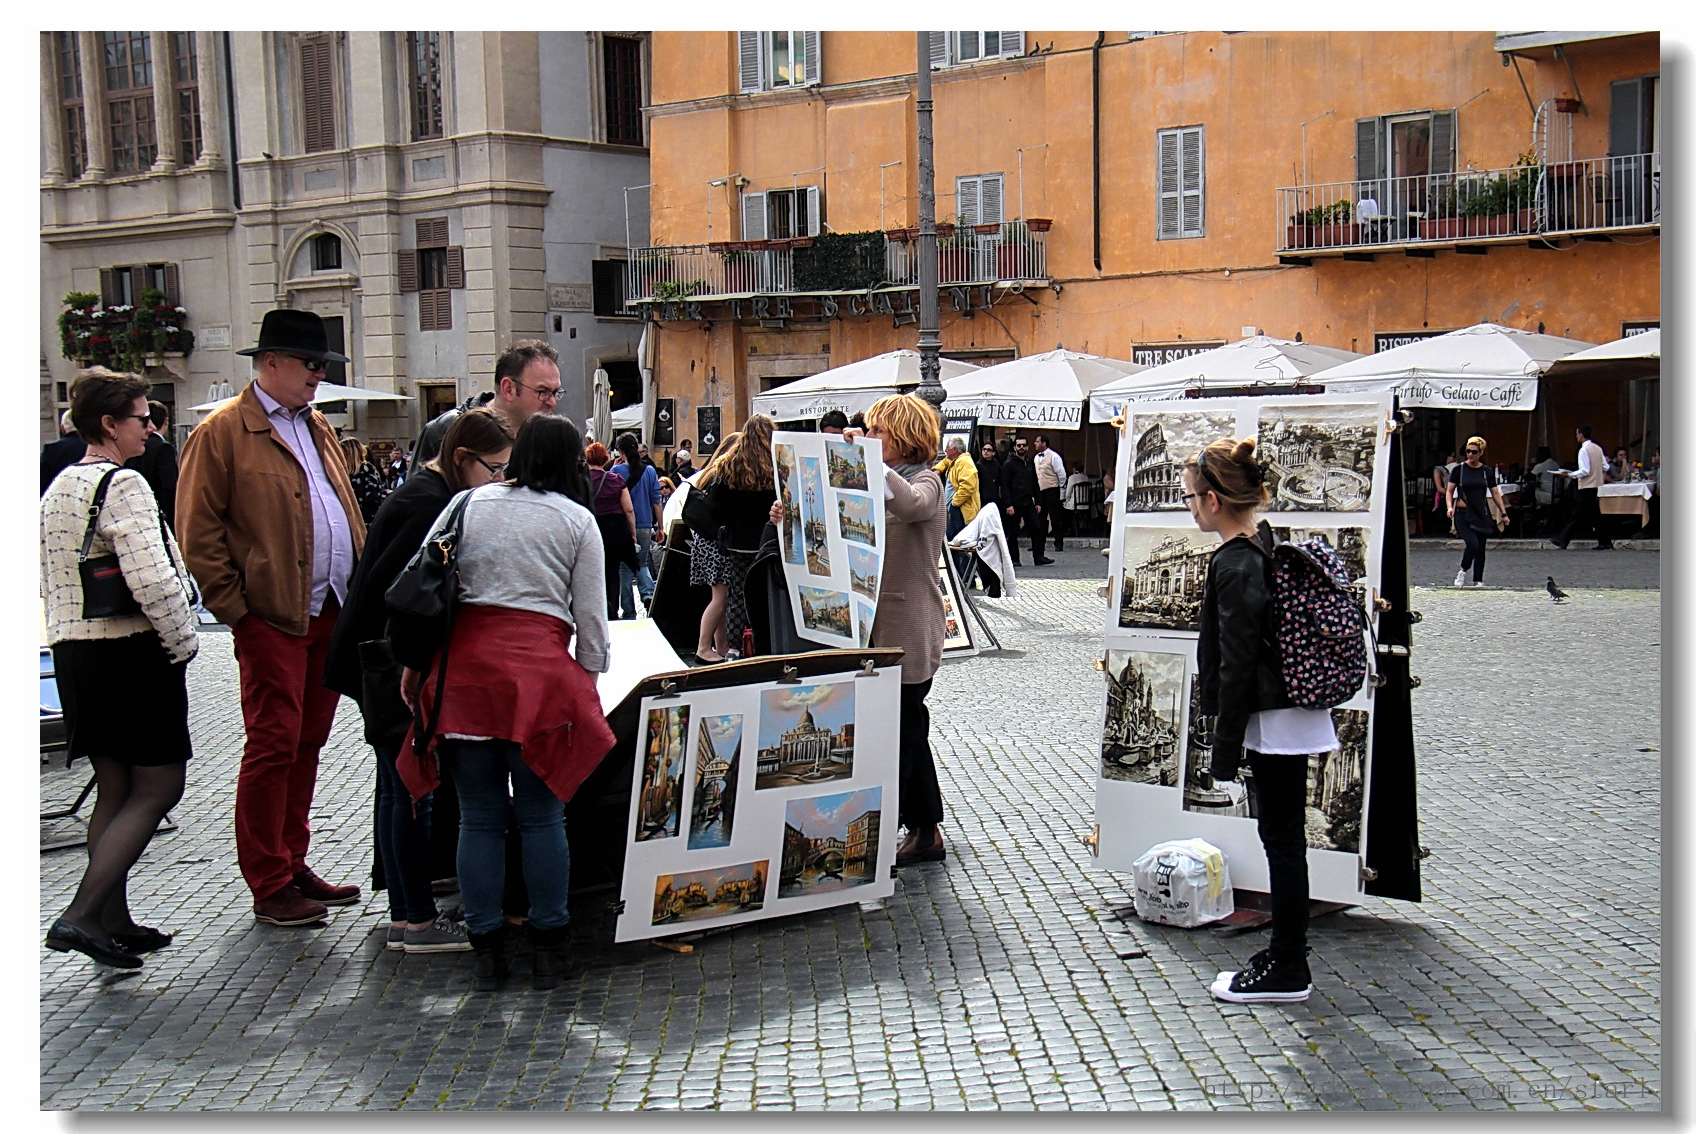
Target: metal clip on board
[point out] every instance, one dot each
(868, 668)
(791, 676)
(668, 689)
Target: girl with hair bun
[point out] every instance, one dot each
(1242, 688)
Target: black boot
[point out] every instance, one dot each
(490, 955)
(552, 962)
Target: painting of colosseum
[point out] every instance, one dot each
(1319, 458)
(1164, 442)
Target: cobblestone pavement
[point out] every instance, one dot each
(1529, 978)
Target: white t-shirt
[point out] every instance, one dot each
(1290, 732)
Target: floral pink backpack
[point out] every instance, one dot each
(1321, 629)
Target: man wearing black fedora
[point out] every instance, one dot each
(269, 525)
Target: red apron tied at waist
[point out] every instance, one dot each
(511, 676)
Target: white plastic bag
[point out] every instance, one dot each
(1185, 883)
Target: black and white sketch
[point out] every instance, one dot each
(1139, 741)
(1202, 793)
(1165, 572)
(1164, 441)
(1319, 458)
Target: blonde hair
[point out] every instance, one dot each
(909, 426)
(744, 460)
(1227, 469)
(353, 454)
(1478, 441)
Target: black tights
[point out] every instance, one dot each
(127, 810)
(1473, 556)
(1281, 810)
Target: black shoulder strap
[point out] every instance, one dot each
(94, 507)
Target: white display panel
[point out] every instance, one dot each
(1329, 477)
(832, 543)
(755, 801)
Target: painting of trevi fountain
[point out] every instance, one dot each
(1165, 572)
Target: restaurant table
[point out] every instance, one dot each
(1629, 498)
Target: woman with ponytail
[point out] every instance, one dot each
(1242, 687)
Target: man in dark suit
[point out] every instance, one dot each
(56, 456)
(1019, 499)
(158, 462)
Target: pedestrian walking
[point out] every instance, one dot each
(1242, 688)
(57, 456)
(1019, 500)
(1591, 474)
(366, 478)
(158, 461)
(531, 578)
(122, 628)
(1050, 480)
(1472, 488)
(740, 487)
(643, 482)
(361, 665)
(271, 530)
(963, 504)
(616, 520)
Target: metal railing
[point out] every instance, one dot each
(695, 272)
(1589, 195)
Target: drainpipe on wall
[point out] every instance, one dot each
(1095, 137)
(230, 110)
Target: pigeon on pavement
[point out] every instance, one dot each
(1555, 592)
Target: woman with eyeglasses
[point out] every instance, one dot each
(517, 718)
(1472, 484)
(119, 618)
(361, 666)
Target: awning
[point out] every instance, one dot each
(1260, 360)
(1635, 356)
(1484, 367)
(851, 388)
(1039, 391)
(327, 392)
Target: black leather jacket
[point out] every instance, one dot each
(1237, 655)
(1018, 482)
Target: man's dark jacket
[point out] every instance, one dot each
(1018, 481)
(989, 480)
(57, 456)
(158, 466)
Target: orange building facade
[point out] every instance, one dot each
(1143, 195)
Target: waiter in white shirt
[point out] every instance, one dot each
(1592, 470)
(1050, 476)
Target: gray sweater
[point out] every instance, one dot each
(540, 551)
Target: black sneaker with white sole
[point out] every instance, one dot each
(1265, 980)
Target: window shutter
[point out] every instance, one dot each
(989, 200)
(456, 266)
(1192, 185)
(138, 281)
(966, 196)
(749, 48)
(812, 65)
(938, 50)
(753, 216)
(1170, 213)
(815, 220)
(1369, 159)
(171, 293)
(432, 232)
(427, 310)
(1012, 43)
(408, 269)
(1625, 118)
(108, 287)
(1442, 141)
(317, 105)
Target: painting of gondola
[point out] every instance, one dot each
(712, 800)
(788, 491)
(830, 842)
(1139, 739)
(862, 571)
(658, 800)
(1202, 793)
(1319, 458)
(815, 536)
(847, 464)
(1164, 575)
(854, 514)
(806, 735)
(826, 611)
(703, 894)
(1164, 443)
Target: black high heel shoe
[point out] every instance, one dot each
(145, 939)
(65, 937)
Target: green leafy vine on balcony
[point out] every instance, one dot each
(121, 337)
(840, 261)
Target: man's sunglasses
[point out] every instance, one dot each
(316, 365)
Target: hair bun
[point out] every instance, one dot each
(1243, 454)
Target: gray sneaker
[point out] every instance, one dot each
(443, 936)
(395, 937)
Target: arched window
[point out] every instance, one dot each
(326, 252)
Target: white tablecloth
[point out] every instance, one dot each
(1629, 488)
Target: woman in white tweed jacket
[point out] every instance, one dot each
(122, 679)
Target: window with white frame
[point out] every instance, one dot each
(947, 48)
(979, 199)
(1182, 183)
(775, 60)
(781, 214)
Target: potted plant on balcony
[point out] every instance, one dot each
(956, 256)
(79, 322)
(1015, 256)
(1039, 224)
(1323, 226)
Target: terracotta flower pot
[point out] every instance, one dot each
(1039, 224)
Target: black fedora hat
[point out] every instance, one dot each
(299, 333)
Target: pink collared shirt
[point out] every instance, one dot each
(332, 536)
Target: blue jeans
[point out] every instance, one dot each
(480, 771)
(957, 524)
(403, 842)
(643, 577)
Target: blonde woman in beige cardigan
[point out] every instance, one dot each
(116, 671)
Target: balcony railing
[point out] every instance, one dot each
(1561, 198)
(833, 264)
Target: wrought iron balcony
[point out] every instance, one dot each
(1589, 197)
(835, 264)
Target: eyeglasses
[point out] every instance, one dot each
(144, 418)
(1188, 496)
(1473, 452)
(546, 393)
(316, 365)
(496, 471)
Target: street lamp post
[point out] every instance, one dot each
(930, 320)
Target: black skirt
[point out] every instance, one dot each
(124, 699)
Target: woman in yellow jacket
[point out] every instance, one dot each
(962, 476)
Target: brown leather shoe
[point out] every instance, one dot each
(289, 907)
(316, 889)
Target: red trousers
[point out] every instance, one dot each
(288, 714)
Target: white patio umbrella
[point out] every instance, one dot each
(1251, 361)
(630, 417)
(327, 392)
(851, 388)
(1046, 390)
(1484, 367)
(1640, 353)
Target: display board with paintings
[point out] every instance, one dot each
(956, 625)
(832, 539)
(755, 801)
(1328, 477)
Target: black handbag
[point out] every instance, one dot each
(105, 591)
(698, 512)
(421, 599)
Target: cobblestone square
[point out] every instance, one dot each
(1528, 979)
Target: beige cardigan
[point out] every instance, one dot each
(909, 605)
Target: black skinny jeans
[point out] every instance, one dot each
(1280, 784)
(921, 798)
(1473, 556)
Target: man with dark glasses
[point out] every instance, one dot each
(269, 525)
